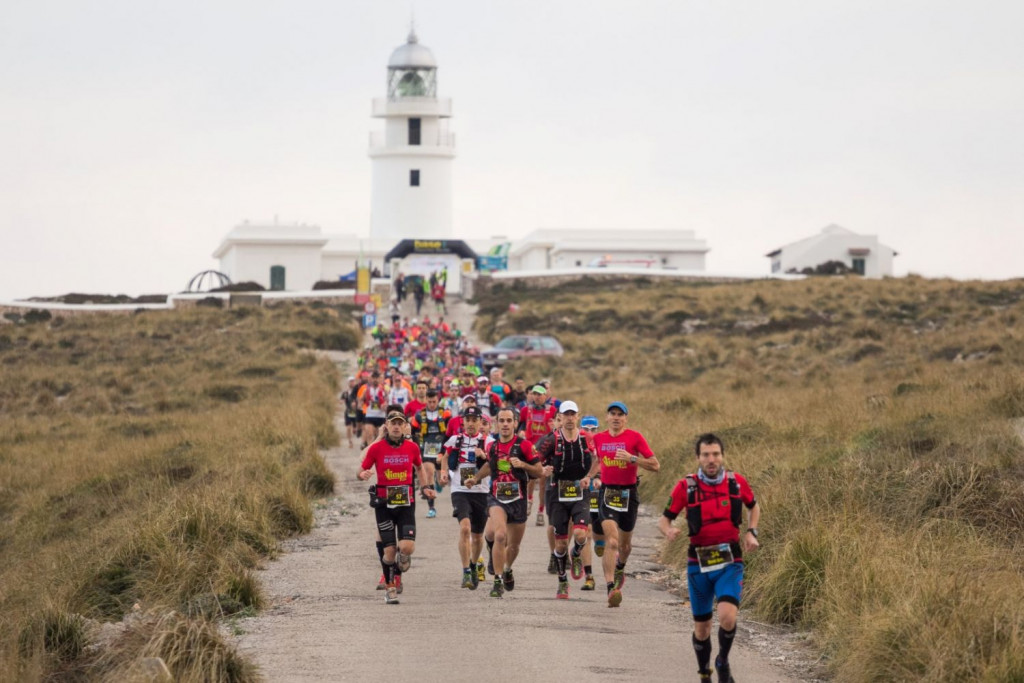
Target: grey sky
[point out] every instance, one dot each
(134, 135)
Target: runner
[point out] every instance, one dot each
(464, 452)
(348, 399)
(568, 459)
(373, 399)
(620, 452)
(713, 499)
(535, 420)
(589, 426)
(544, 448)
(429, 427)
(419, 399)
(395, 459)
(488, 401)
(512, 460)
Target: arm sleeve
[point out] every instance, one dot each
(676, 501)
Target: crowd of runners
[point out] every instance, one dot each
(428, 415)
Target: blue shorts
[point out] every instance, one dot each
(725, 584)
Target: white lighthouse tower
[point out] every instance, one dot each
(412, 157)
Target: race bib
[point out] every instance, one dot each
(714, 557)
(595, 501)
(466, 470)
(507, 491)
(569, 491)
(398, 496)
(616, 499)
(432, 449)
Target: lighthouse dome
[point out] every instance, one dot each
(412, 55)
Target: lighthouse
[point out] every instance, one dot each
(412, 156)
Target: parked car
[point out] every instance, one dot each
(521, 346)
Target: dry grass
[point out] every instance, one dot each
(154, 460)
(873, 418)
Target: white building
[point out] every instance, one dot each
(411, 202)
(556, 249)
(412, 157)
(863, 254)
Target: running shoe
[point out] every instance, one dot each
(431, 513)
(467, 579)
(481, 570)
(498, 589)
(705, 675)
(382, 584)
(589, 584)
(577, 567)
(599, 548)
(508, 580)
(391, 595)
(552, 565)
(404, 562)
(563, 590)
(724, 673)
(540, 519)
(614, 597)
(620, 577)
(398, 583)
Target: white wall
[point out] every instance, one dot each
(679, 260)
(253, 262)
(400, 211)
(877, 263)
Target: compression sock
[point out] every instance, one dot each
(611, 585)
(588, 570)
(703, 650)
(620, 565)
(725, 639)
(577, 548)
(380, 554)
(430, 503)
(560, 564)
(389, 573)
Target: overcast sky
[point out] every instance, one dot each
(135, 135)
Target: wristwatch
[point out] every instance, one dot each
(753, 531)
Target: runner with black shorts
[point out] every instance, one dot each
(713, 500)
(589, 426)
(620, 452)
(511, 461)
(568, 474)
(395, 459)
(428, 427)
(348, 399)
(464, 452)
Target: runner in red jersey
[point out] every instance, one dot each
(419, 399)
(713, 500)
(536, 420)
(510, 462)
(620, 453)
(395, 460)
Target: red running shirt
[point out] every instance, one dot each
(615, 472)
(536, 422)
(715, 508)
(394, 464)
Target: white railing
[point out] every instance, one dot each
(442, 139)
(428, 106)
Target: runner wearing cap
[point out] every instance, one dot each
(450, 399)
(535, 420)
(620, 452)
(512, 461)
(429, 427)
(589, 426)
(568, 459)
(488, 401)
(395, 459)
(464, 452)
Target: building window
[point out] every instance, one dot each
(277, 278)
(579, 263)
(776, 266)
(414, 177)
(414, 131)
(858, 266)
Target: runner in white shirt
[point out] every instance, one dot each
(465, 453)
